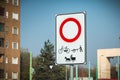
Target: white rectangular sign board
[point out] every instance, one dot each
(70, 38)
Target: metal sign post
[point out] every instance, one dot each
(118, 70)
(71, 72)
(76, 72)
(30, 66)
(97, 71)
(89, 70)
(66, 72)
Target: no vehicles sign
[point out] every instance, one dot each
(70, 38)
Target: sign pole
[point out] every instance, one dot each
(76, 72)
(66, 72)
(89, 70)
(30, 66)
(97, 71)
(118, 70)
(71, 72)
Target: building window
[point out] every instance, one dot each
(14, 75)
(1, 42)
(15, 16)
(7, 44)
(14, 45)
(6, 29)
(14, 60)
(6, 75)
(15, 30)
(7, 1)
(6, 60)
(1, 27)
(1, 58)
(6, 14)
(15, 2)
(2, 10)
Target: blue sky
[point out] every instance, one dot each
(102, 20)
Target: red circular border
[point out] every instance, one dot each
(61, 30)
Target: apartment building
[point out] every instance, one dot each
(9, 39)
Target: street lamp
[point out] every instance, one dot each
(118, 67)
(51, 66)
(100, 65)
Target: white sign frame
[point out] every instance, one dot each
(64, 48)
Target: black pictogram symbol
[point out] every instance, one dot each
(63, 49)
(72, 58)
(67, 59)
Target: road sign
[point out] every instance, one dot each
(70, 38)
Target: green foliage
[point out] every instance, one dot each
(24, 66)
(93, 73)
(43, 63)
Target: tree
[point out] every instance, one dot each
(93, 72)
(82, 71)
(43, 63)
(24, 64)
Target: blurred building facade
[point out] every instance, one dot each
(103, 58)
(9, 39)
